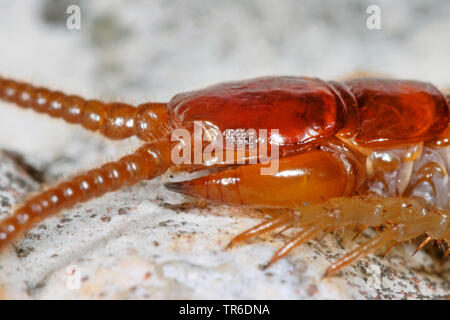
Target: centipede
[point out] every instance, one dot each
(360, 153)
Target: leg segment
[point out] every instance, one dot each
(323, 175)
(148, 121)
(307, 234)
(363, 250)
(286, 221)
(147, 162)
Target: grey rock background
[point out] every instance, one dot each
(137, 243)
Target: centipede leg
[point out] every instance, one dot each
(424, 242)
(302, 237)
(389, 247)
(147, 162)
(282, 221)
(360, 231)
(369, 246)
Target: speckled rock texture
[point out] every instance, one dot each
(145, 242)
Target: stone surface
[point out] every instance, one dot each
(144, 241)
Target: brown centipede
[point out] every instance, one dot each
(364, 152)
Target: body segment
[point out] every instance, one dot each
(395, 112)
(305, 110)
